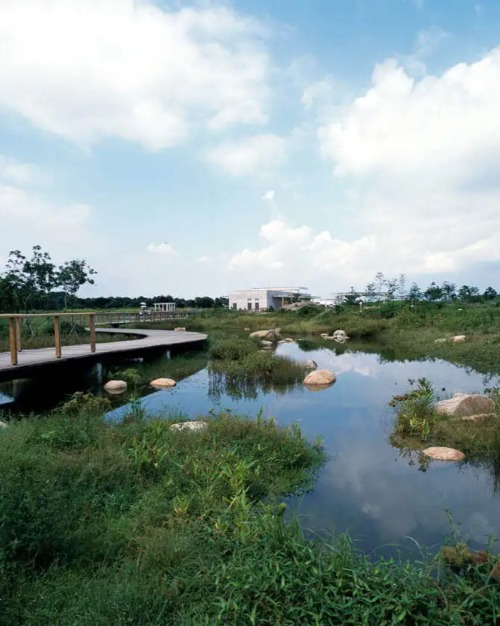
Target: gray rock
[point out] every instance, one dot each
(189, 426)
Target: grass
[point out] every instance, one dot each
(239, 368)
(417, 423)
(132, 523)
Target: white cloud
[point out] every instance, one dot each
(87, 70)
(300, 252)
(162, 248)
(268, 195)
(204, 258)
(427, 42)
(423, 158)
(257, 155)
(27, 219)
(14, 171)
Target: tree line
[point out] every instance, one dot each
(35, 283)
(384, 289)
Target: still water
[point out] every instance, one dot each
(376, 492)
(367, 487)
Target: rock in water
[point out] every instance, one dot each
(115, 386)
(189, 426)
(320, 378)
(180, 329)
(163, 382)
(261, 334)
(310, 365)
(462, 405)
(439, 453)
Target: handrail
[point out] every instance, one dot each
(92, 318)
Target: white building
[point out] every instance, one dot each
(265, 298)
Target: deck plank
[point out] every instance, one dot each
(143, 340)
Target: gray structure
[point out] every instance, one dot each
(261, 299)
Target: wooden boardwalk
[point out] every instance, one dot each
(143, 339)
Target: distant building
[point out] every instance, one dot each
(164, 307)
(261, 299)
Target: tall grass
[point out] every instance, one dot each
(133, 523)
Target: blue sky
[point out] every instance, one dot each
(196, 147)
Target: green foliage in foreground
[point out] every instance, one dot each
(133, 523)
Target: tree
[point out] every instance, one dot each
(380, 280)
(72, 275)
(28, 282)
(433, 292)
(370, 292)
(28, 278)
(489, 293)
(415, 293)
(352, 297)
(449, 290)
(468, 294)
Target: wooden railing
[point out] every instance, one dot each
(87, 319)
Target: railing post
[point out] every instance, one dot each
(19, 321)
(12, 340)
(92, 332)
(57, 335)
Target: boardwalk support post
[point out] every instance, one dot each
(92, 332)
(57, 335)
(12, 340)
(19, 322)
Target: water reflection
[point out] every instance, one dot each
(367, 486)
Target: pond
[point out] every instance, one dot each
(378, 493)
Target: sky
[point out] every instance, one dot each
(193, 148)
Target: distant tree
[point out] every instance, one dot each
(401, 286)
(72, 275)
(468, 294)
(370, 292)
(26, 278)
(391, 286)
(489, 293)
(28, 282)
(352, 297)
(380, 280)
(414, 293)
(433, 292)
(449, 290)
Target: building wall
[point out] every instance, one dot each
(240, 300)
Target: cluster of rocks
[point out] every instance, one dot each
(189, 426)
(455, 339)
(340, 336)
(269, 338)
(114, 387)
(464, 407)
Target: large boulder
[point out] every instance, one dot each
(260, 334)
(115, 386)
(3, 424)
(320, 378)
(162, 383)
(457, 339)
(438, 453)
(269, 335)
(189, 426)
(463, 404)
